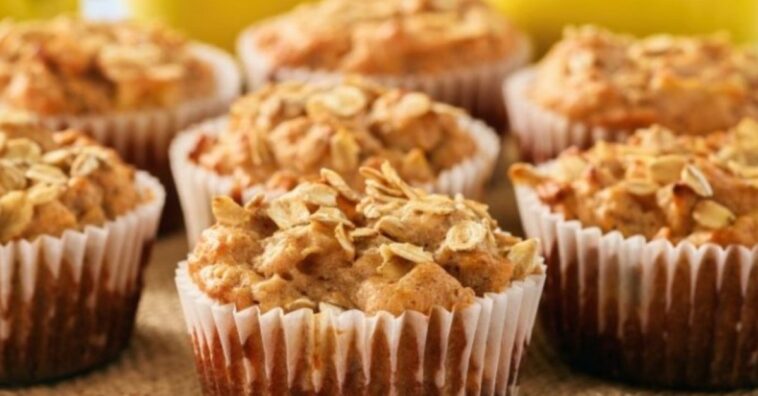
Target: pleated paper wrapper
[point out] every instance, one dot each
(475, 88)
(197, 185)
(68, 302)
(648, 312)
(476, 350)
(543, 133)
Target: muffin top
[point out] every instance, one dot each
(53, 182)
(286, 133)
(71, 66)
(394, 248)
(387, 36)
(701, 189)
(687, 84)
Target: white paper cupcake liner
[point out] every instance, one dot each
(648, 311)
(67, 303)
(476, 88)
(543, 133)
(197, 185)
(142, 137)
(476, 350)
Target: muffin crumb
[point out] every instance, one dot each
(286, 133)
(392, 248)
(51, 182)
(415, 36)
(702, 189)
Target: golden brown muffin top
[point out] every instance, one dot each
(71, 66)
(687, 84)
(287, 132)
(387, 36)
(394, 248)
(53, 182)
(701, 189)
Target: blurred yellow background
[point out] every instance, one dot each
(220, 21)
(30, 9)
(545, 19)
(217, 22)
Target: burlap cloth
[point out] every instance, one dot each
(159, 360)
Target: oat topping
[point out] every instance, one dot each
(392, 248)
(288, 132)
(688, 84)
(387, 36)
(71, 66)
(53, 182)
(697, 188)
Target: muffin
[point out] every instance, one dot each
(131, 87)
(457, 51)
(329, 290)
(652, 247)
(285, 133)
(597, 85)
(76, 227)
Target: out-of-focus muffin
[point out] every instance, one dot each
(457, 51)
(76, 224)
(73, 67)
(595, 84)
(652, 242)
(324, 249)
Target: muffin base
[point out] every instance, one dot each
(197, 185)
(647, 312)
(67, 304)
(476, 350)
(542, 133)
(475, 88)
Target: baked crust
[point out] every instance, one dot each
(387, 36)
(688, 84)
(287, 132)
(393, 249)
(71, 66)
(702, 189)
(53, 182)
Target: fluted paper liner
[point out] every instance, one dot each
(197, 185)
(68, 302)
(543, 133)
(647, 311)
(476, 350)
(474, 88)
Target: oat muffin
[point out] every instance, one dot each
(611, 84)
(655, 250)
(451, 49)
(327, 252)
(76, 224)
(415, 36)
(285, 133)
(71, 66)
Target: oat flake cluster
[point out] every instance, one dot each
(701, 189)
(53, 182)
(286, 133)
(387, 36)
(392, 249)
(71, 66)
